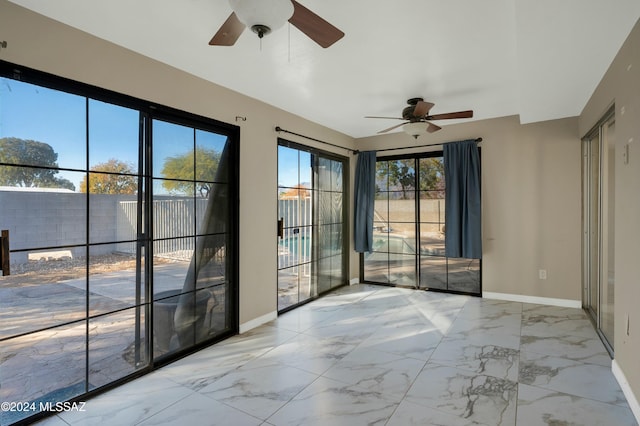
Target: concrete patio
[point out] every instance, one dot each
(47, 358)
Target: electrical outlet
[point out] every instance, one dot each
(542, 274)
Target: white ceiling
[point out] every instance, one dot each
(540, 59)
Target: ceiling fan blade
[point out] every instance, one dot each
(390, 118)
(449, 115)
(316, 28)
(229, 32)
(422, 108)
(393, 127)
(432, 127)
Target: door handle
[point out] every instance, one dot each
(4, 252)
(281, 228)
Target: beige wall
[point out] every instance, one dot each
(531, 202)
(621, 85)
(44, 44)
(531, 173)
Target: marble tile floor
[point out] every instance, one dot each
(371, 355)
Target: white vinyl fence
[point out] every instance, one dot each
(295, 247)
(173, 219)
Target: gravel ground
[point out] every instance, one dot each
(48, 271)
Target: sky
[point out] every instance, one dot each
(59, 119)
(294, 167)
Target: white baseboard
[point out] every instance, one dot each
(354, 281)
(626, 389)
(566, 303)
(257, 322)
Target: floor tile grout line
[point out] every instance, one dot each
(394, 315)
(293, 397)
(231, 406)
(142, 420)
(318, 376)
(571, 395)
(519, 365)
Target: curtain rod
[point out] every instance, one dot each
(477, 140)
(355, 151)
(280, 129)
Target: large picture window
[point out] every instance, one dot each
(409, 229)
(122, 222)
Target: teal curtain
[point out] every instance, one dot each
(364, 197)
(463, 224)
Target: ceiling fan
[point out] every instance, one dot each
(416, 115)
(264, 16)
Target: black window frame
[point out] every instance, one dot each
(418, 256)
(149, 110)
(315, 153)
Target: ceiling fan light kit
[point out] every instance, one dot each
(415, 129)
(262, 16)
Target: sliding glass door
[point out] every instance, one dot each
(394, 257)
(599, 226)
(120, 225)
(409, 229)
(312, 223)
(191, 237)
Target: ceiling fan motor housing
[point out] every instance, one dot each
(407, 112)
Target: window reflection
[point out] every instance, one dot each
(173, 151)
(190, 271)
(208, 150)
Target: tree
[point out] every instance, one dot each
(399, 172)
(115, 178)
(431, 176)
(22, 152)
(181, 169)
(298, 191)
